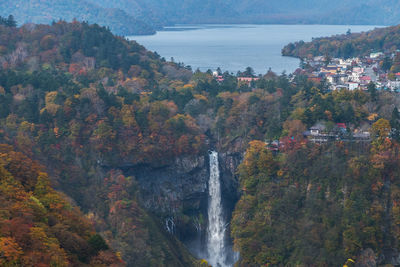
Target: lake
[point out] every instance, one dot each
(235, 47)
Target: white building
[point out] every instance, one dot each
(393, 85)
(352, 85)
(375, 55)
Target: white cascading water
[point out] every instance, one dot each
(216, 224)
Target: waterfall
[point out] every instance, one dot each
(216, 224)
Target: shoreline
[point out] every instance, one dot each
(224, 25)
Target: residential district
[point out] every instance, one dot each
(353, 73)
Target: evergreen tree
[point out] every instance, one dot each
(249, 72)
(386, 64)
(395, 124)
(97, 243)
(372, 90)
(3, 21)
(11, 21)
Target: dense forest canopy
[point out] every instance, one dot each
(301, 207)
(347, 45)
(87, 105)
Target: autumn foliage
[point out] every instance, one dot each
(38, 226)
(318, 205)
(94, 108)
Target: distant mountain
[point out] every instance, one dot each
(46, 11)
(139, 10)
(142, 16)
(262, 11)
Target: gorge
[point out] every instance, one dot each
(194, 196)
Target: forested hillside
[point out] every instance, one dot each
(347, 45)
(125, 135)
(38, 225)
(70, 97)
(319, 205)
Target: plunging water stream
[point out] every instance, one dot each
(216, 250)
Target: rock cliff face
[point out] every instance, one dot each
(177, 194)
(228, 167)
(166, 190)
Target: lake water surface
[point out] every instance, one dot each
(235, 47)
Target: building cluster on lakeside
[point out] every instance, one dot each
(353, 73)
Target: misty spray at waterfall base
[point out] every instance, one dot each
(219, 251)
